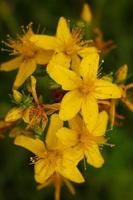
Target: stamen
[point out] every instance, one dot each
(85, 165)
(110, 145)
(33, 160)
(100, 69)
(23, 29)
(70, 186)
(43, 30)
(38, 28)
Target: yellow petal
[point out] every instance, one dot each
(70, 105)
(43, 57)
(60, 59)
(75, 63)
(71, 172)
(54, 126)
(89, 66)
(36, 146)
(44, 41)
(14, 114)
(15, 132)
(26, 69)
(101, 124)
(106, 90)
(68, 79)
(63, 31)
(89, 111)
(94, 156)
(43, 171)
(76, 123)
(11, 64)
(73, 154)
(86, 51)
(67, 136)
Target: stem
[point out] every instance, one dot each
(57, 191)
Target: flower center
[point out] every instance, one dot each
(49, 157)
(85, 139)
(22, 46)
(87, 87)
(75, 42)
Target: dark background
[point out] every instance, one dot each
(114, 181)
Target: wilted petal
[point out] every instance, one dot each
(14, 114)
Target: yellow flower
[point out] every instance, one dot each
(68, 45)
(51, 156)
(84, 89)
(86, 14)
(28, 56)
(86, 142)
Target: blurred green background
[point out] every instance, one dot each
(114, 181)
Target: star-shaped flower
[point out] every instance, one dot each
(67, 45)
(51, 157)
(84, 89)
(28, 56)
(85, 142)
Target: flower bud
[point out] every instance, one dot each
(17, 96)
(121, 74)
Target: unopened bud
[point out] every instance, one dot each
(17, 96)
(121, 73)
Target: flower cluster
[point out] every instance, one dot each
(65, 131)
